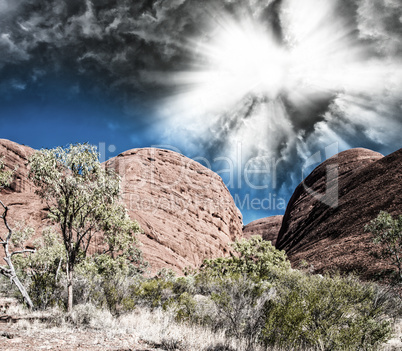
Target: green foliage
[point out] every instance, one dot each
(185, 307)
(274, 305)
(165, 290)
(5, 176)
(21, 234)
(256, 258)
(83, 198)
(43, 270)
(80, 193)
(325, 313)
(387, 232)
(295, 310)
(107, 282)
(285, 309)
(240, 305)
(154, 292)
(99, 279)
(119, 235)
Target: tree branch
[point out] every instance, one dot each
(5, 271)
(23, 251)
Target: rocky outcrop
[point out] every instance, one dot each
(325, 218)
(25, 207)
(267, 227)
(185, 210)
(188, 214)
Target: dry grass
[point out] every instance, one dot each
(156, 328)
(159, 328)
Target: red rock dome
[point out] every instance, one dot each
(330, 234)
(267, 227)
(185, 210)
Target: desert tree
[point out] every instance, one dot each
(387, 232)
(83, 199)
(12, 241)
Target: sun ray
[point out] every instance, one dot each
(319, 57)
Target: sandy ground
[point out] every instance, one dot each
(28, 335)
(14, 337)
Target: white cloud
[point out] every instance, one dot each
(381, 21)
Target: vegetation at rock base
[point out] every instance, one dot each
(252, 299)
(387, 232)
(255, 258)
(275, 307)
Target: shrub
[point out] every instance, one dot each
(101, 280)
(42, 272)
(240, 307)
(273, 306)
(327, 313)
(255, 258)
(105, 282)
(260, 299)
(388, 233)
(185, 307)
(153, 292)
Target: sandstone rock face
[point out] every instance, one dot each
(328, 232)
(24, 206)
(185, 210)
(267, 227)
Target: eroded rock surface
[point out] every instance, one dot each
(185, 210)
(267, 227)
(25, 207)
(328, 232)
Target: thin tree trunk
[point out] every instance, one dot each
(70, 290)
(58, 270)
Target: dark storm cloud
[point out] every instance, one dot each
(119, 43)
(115, 43)
(109, 42)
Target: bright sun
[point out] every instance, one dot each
(248, 58)
(242, 58)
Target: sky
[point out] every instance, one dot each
(253, 89)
